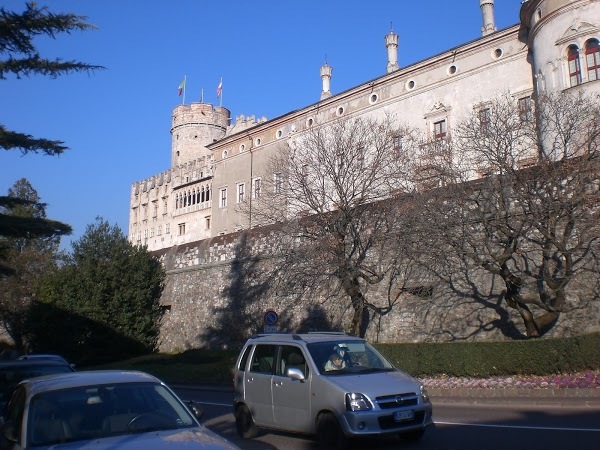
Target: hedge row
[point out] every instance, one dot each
(485, 359)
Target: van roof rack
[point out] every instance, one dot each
(333, 333)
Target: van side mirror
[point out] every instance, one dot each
(296, 374)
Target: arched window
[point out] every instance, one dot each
(202, 198)
(592, 59)
(198, 196)
(207, 193)
(177, 202)
(574, 66)
(194, 196)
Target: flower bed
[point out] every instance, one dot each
(589, 379)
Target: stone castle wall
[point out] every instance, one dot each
(215, 296)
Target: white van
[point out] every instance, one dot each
(329, 384)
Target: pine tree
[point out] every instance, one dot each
(29, 255)
(19, 57)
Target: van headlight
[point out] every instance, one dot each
(424, 394)
(357, 402)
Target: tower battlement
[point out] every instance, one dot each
(193, 127)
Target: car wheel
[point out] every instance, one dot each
(244, 422)
(330, 434)
(413, 435)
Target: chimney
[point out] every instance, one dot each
(391, 43)
(487, 11)
(326, 70)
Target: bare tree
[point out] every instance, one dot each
(531, 219)
(325, 190)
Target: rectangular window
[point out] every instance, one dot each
(592, 59)
(439, 129)
(164, 207)
(241, 191)
(223, 198)
(159, 230)
(278, 183)
(525, 109)
(574, 68)
(484, 118)
(207, 222)
(167, 228)
(181, 229)
(304, 170)
(257, 187)
(397, 143)
(152, 232)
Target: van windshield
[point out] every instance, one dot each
(351, 356)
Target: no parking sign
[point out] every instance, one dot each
(270, 318)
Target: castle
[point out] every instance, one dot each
(215, 165)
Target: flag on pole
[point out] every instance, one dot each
(220, 88)
(181, 87)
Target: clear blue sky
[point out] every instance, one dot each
(117, 121)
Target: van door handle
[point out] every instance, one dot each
(278, 383)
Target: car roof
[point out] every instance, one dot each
(307, 338)
(36, 362)
(40, 356)
(86, 378)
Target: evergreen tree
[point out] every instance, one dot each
(29, 255)
(19, 57)
(103, 304)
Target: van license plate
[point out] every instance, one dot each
(401, 416)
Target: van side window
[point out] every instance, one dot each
(292, 357)
(263, 359)
(244, 359)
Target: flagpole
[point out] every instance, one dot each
(184, 83)
(202, 95)
(221, 94)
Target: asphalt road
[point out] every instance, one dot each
(459, 425)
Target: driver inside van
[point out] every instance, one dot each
(335, 362)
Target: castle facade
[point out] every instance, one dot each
(216, 164)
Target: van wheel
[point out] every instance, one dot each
(244, 422)
(330, 434)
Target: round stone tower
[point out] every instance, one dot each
(560, 35)
(195, 126)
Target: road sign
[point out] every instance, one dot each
(271, 317)
(270, 329)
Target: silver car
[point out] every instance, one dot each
(332, 385)
(102, 410)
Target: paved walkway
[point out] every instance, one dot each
(572, 397)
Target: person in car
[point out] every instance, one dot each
(335, 362)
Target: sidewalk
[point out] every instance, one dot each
(568, 397)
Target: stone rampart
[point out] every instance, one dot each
(217, 292)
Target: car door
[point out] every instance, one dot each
(13, 419)
(291, 397)
(258, 384)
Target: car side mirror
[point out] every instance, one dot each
(9, 432)
(296, 374)
(195, 408)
